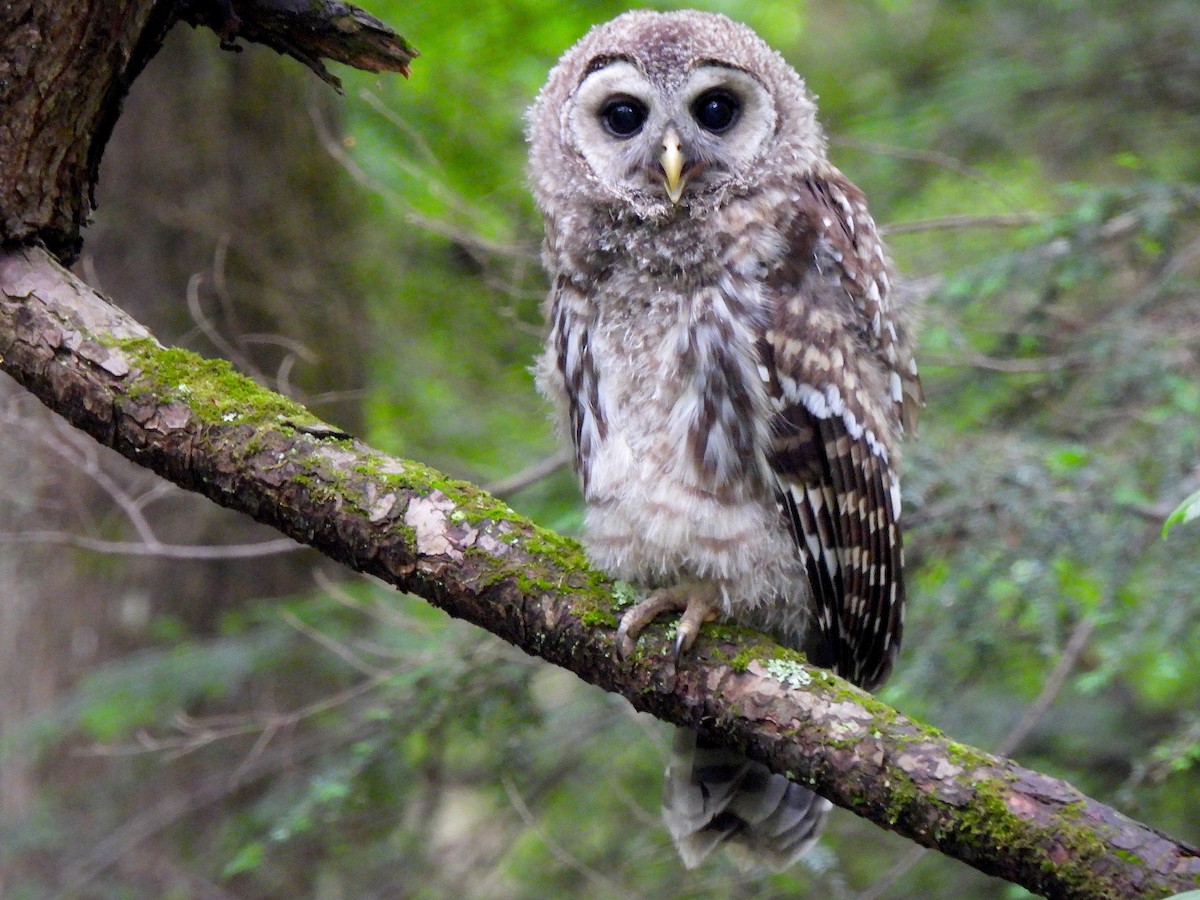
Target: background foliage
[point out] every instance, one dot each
(178, 726)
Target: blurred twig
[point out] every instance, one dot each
(156, 548)
(530, 475)
(81, 454)
(927, 157)
(957, 222)
(472, 241)
(568, 859)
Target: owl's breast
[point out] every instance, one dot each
(678, 383)
(679, 484)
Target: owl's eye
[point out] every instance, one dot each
(716, 110)
(623, 116)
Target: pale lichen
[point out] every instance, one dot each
(623, 594)
(788, 672)
(427, 517)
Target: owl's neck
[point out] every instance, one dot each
(676, 248)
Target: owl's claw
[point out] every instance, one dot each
(700, 609)
(699, 603)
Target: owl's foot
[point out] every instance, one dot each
(699, 603)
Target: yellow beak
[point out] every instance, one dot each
(672, 161)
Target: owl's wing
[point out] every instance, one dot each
(838, 366)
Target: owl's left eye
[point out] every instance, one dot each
(716, 110)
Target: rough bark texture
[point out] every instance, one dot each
(208, 429)
(308, 32)
(65, 68)
(63, 72)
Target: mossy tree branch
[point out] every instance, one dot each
(201, 425)
(197, 423)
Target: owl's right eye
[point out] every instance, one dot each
(623, 116)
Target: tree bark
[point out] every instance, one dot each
(63, 73)
(65, 69)
(208, 429)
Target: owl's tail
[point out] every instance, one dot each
(713, 795)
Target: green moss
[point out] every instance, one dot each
(473, 505)
(741, 662)
(567, 554)
(211, 388)
(218, 395)
(988, 816)
(623, 595)
(1128, 856)
(593, 617)
(904, 794)
(959, 754)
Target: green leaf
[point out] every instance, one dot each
(1185, 512)
(250, 857)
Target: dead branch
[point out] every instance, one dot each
(308, 32)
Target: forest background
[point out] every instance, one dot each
(193, 707)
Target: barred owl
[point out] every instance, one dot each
(732, 369)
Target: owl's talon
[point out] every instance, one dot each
(683, 643)
(625, 641)
(700, 609)
(698, 603)
(643, 613)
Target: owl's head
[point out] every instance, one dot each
(663, 114)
